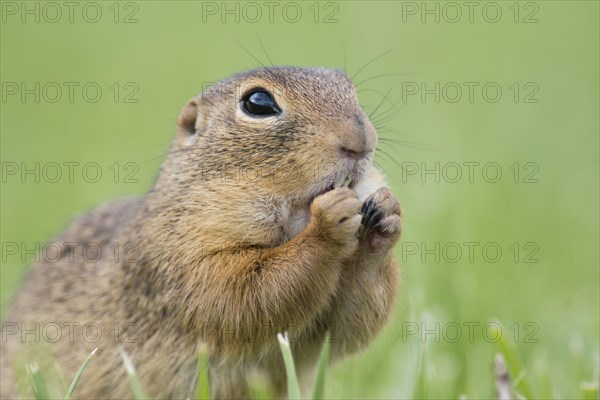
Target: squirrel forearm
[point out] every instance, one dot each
(369, 279)
(362, 304)
(267, 291)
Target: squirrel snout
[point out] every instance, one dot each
(354, 154)
(359, 141)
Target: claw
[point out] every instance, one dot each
(366, 209)
(375, 217)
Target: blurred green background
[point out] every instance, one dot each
(542, 55)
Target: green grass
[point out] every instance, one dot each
(322, 365)
(293, 388)
(134, 380)
(203, 385)
(171, 54)
(520, 387)
(78, 375)
(515, 365)
(39, 385)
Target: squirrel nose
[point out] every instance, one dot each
(354, 154)
(359, 138)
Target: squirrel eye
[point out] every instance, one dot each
(260, 103)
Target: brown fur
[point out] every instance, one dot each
(238, 240)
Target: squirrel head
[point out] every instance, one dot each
(290, 131)
(260, 145)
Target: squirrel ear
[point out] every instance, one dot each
(189, 121)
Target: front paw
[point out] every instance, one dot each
(336, 213)
(381, 221)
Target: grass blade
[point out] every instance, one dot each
(203, 384)
(515, 365)
(420, 384)
(78, 374)
(503, 388)
(589, 390)
(37, 381)
(319, 390)
(133, 377)
(290, 369)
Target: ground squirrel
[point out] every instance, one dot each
(267, 216)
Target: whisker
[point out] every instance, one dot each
(372, 90)
(402, 145)
(383, 99)
(264, 50)
(377, 165)
(382, 117)
(384, 129)
(405, 143)
(394, 178)
(390, 158)
(345, 55)
(369, 63)
(255, 59)
(377, 77)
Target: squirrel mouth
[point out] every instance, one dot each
(343, 181)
